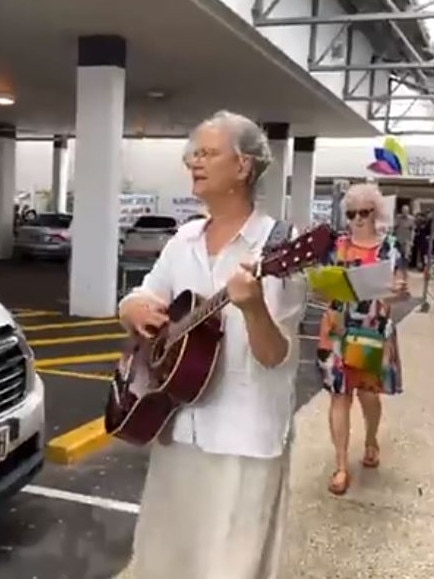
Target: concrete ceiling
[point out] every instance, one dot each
(200, 54)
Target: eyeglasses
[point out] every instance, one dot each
(202, 154)
(363, 213)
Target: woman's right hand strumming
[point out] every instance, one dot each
(143, 314)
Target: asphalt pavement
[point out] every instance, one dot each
(76, 521)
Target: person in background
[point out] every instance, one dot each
(405, 231)
(215, 503)
(364, 210)
(419, 248)
(426, 233)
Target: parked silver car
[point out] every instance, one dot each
(144, 241)
(141, 245)
(46, 235)
(22, 410)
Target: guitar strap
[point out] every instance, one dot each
(280, 232)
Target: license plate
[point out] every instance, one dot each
(4, 442)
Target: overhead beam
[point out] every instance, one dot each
(403, 119)
(359, 17)
(391, 131)
(425, 65)
(385, 97)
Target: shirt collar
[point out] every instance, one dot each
(251, 231)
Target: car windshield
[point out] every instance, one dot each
(55, 220)
(155, 222)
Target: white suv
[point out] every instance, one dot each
(22, 409)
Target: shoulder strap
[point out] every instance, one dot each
(280, 232)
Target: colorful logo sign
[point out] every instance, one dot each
(390, 159)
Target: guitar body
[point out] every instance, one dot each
(153, 381)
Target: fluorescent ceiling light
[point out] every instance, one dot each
(6, 99)
(156, 94)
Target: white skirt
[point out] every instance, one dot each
(210, 516)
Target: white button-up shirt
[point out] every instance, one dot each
(249, 408)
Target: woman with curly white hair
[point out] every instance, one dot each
(215, 498)
(346, 367)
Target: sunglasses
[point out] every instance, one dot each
(363, 213)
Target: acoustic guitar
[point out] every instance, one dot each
(156, 377)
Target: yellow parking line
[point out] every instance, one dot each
(37, 314)
(76, 444)
(76, 339)
(68, 325)
(85, 359)
(68, 374)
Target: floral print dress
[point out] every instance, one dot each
(374, 314)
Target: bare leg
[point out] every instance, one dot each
(339, 419)
(371, 407)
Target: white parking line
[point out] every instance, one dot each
(102, 503)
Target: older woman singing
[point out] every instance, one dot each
(215, 499)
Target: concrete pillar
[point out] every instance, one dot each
(98, 175)
(272, 189)
(7, 189)
(60, 173)
(302, 182)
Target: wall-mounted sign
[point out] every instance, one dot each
(133, 205)
(394, 159)
(390, 159)
(420, 166)
(184, 207)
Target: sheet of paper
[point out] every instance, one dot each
(371, 281)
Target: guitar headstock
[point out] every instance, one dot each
(304, 251)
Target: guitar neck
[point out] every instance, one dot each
(285, 258)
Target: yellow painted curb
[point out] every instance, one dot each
(76, 339)
(67, 325)
(81, 359)
(77, 444)
(68, 374)
(37, 314)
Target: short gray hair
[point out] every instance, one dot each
(248, 139)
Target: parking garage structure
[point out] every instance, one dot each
(107, 71)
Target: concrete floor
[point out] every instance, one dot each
(384, 527)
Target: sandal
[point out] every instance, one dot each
(339, 483)
(371, 458)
